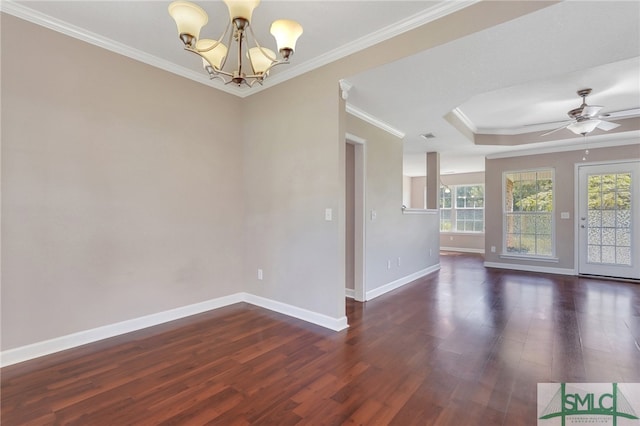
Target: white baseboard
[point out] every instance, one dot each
(530, 268)
(57, 344)
(46, 347)
(371, 294)
(350, 293)
(335, 324)
(462, 249)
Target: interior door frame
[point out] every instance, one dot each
(359, 283)
(577, 246)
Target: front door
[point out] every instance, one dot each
(609, 219)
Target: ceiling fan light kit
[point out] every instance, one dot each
(190, 18)
(585, 119)
(584, 126)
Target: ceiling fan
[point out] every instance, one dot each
(585, 118)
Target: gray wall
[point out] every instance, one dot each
(392, 234)
(121, 188)
(294, 170)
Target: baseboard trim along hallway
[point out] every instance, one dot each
(57, 344)
(376, 292)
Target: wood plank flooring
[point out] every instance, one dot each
(463, 346)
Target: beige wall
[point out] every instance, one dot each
(294, 170)
(456, 240)
(121, 188)
(564, 165)
(418, 191)
(392, 234)
(413, 191)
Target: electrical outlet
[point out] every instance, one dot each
(388, 264)
(328, 215)
(259, 274)
(398, 261)
(430, 252)
(493, 249)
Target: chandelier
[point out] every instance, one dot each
(190, 18)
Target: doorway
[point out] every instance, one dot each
(609, 219)
(355, 214)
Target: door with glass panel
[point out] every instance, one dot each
(609, 220)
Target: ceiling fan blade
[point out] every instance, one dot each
(554, 130)
(549, 123)
(633, 112)
(607, 125)
(591, 111)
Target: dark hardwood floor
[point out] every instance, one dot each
(464, 346)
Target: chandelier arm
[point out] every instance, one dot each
(273, 64)
(217, 43)
(220, 72)
(254, 81)
(224, 61)
(240, 40)
(214, 76)
(255, 40)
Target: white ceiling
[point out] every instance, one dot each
(503, 79)
(522, 72)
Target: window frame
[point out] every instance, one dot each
(453, 209)
(505, 253)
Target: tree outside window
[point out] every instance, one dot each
(528, 212)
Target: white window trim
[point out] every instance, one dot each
(533, 257)
(454, 211)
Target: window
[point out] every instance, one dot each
(462, 208)
(528, 212)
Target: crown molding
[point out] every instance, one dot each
(438, 11)
(365, 116)
(577, 144)
(464, 119)
(428, 15)
(35, 17)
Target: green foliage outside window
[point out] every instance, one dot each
(611, 191)
(528, 212)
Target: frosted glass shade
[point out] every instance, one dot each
(286, 33)
(581, 127)
(214, 56)
(259, 62)
(241, 8)
(189, 17)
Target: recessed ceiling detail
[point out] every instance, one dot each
(542, 105)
